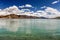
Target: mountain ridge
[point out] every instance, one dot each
(14, 16)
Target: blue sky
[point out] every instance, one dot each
(41, 8)
(35, 3)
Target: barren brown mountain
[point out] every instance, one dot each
(13, 16)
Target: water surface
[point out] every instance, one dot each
(30, 27)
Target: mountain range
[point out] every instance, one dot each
(14, 16)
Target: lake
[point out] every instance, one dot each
(30, 29)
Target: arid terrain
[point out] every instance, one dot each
(14, 16)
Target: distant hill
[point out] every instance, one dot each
(14, 16)
(57, 18)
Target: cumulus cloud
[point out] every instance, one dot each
(15, 10)
(51, 12)
(41, 13)
(26, 5)
(48, 12)
(55, 2)
(11, 10)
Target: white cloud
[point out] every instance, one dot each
(43, 7)
(21, 6)
(26, 5)
(15, 10)
(47, 12)
(10, 10)
(2, 13)
(53, 12)
(25, 10)
(41, 13)
(55, 2)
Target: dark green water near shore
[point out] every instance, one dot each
(29, 29)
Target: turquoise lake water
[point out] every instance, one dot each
(30, 26)
(34, 27)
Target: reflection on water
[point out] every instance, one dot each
(30, 25)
